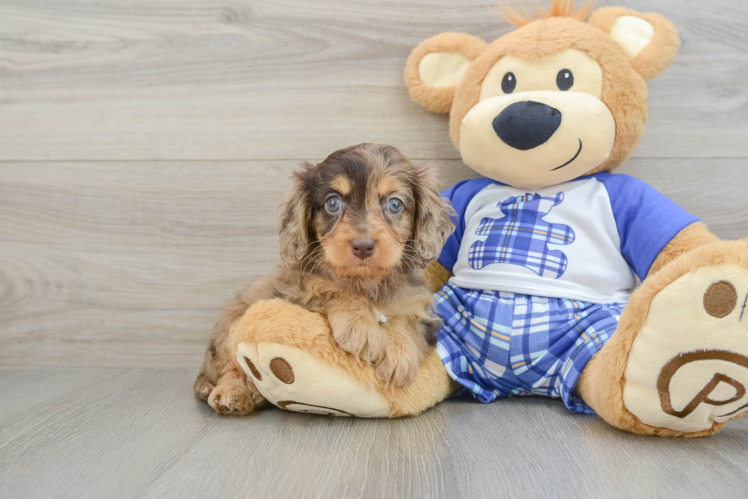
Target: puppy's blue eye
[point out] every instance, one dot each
(395, 206)
(333, 204)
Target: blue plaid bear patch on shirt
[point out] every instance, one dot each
(521, 237)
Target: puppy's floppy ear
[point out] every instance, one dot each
(437, 65)
(649, 40)
(294, 223)
(433, 218)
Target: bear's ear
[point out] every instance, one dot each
(649, 40)
(436, 66)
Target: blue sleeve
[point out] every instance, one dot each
(646, 219)
(459, 195)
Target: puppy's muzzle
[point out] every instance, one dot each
(363, 247)
(526, 125)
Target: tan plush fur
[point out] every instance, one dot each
(279, 322)
(431, 98)
(436, 276)
(602, 381)
(624, 91)
(693, 236)
(624, 81)
(377, 304)
(661, 50)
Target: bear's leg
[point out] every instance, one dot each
(290, 356)
(678, 362)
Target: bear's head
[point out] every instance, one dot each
(554, 100)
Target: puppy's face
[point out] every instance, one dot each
(363, 206)
(363, 215)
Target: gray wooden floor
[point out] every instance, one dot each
(144, 148)
(137, 432)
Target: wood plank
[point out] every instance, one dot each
(140, 433)
(128, 264)
(251, 79)
(91, 249)
(117, 429)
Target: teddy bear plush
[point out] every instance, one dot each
(537, 286)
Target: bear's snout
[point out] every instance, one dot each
(527, 124)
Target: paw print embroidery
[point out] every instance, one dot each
(295, 380)
(522, 237)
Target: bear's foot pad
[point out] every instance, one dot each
(295, 380)
(688, 367)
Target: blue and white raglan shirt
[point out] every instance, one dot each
(583, 240)
(541, 278)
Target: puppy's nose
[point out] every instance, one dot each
(526, 125)
(363, 247)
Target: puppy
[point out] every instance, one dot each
(356, 233)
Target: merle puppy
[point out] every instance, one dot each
(356, 233)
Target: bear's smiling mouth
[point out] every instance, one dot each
(575, 157)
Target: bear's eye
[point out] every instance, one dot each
(564, 79)
(509, 83)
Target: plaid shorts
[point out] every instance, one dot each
(500, 344)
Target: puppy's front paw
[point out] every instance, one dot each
(399, 366)
(231, 398)
(363, 341)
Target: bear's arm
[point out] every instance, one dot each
(693, 236)
(436, 276)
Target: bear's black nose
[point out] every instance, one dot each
(526, 125)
